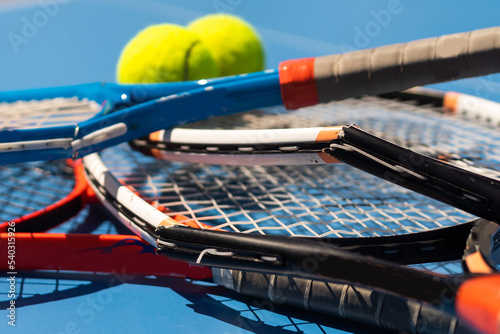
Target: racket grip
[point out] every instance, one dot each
(342, 300)
(390, 68)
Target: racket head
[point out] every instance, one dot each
(40, 195)
(43, 195)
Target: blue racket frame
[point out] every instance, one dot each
(132, 111)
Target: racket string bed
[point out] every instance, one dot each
(30, 187)
(46, 113)
(243, 201)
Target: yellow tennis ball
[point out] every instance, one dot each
(165, 53)
(234, 43)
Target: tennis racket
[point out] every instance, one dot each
(298, 83)
(129, 258)
(325, 203)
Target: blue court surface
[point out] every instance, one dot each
(61, 42)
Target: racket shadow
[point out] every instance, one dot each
(204, 298)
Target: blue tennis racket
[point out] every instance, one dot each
(129, 112)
